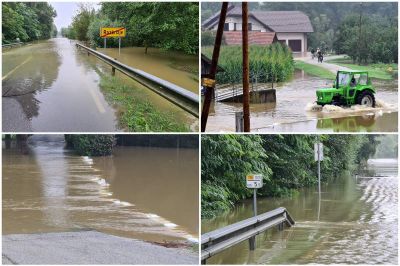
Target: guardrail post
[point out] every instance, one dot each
(113, 71)
(252, 243)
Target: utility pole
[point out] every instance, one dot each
(210, 84)
(359, 37)
(245, 50)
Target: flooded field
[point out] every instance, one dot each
(292, 110)
(354, 222)
(50, 189)
(51, 86)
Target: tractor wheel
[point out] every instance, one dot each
(366, 98)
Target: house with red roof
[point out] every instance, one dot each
(265, 27)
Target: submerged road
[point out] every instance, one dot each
(50, 86)
(88, 247)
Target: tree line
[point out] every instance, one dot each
(285, 161)
(27, 21)
(166, 25)
(367, 32)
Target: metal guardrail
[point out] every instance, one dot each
(12, 44)
(179, 96)
(218, 240)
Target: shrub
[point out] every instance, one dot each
(91, 145)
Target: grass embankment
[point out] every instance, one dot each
(272, 63)
(314, 70)
(136, 113)
(378, 71)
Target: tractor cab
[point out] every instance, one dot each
(349, 88)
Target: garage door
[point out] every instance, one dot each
(295, 45)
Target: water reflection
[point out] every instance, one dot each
(135, 193)
(293, 100)
(357, 223)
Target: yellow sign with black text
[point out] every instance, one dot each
(112, 32)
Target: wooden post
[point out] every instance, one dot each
(213, 69)
(245, 50)
(113, 71)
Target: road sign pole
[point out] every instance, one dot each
(105, 42)
(319, 169)
(255, 202)
(119, 46)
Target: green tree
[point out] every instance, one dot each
(82, 20)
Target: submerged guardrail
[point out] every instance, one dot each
(179, 96)
(12, 44)
(218, 240)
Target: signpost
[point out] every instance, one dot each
(116, 32)
(319, 156)
(254, 181)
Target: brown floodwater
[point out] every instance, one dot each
(354, 222)
(293, 110)
(139, 192)
(52, 86)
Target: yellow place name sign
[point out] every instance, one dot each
(112, 32)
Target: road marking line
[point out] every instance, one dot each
(97, 101)
(15, 68)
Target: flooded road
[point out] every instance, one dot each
(52, 86)
(292, 110)
(51, 189)
(47, 86)
(355, 222)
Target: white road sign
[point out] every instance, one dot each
(254, 181)
(321, 152)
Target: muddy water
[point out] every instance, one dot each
(354, 222)
(136, 193)
(51, 86)
(47, 87)
(292, 110)
(172, 66)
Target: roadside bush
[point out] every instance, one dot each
(91, 145)
(272, 63)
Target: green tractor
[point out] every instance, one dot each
(349, 88)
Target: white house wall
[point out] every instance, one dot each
(286, 36)
(256, 26)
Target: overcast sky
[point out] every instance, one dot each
(65, 12)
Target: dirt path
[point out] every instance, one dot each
(329, 66)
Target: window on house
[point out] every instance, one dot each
(234, 27)
(226, 27)
(249, 26)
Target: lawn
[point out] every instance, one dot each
(314, 70)
(378, 71)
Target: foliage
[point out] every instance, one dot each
(81, 21)
(226, 159)
(272, 63)
(91, 145)
(388, 146)
(314, 70)
(371, 39)
(27, 21)
(286, 161)
(135, 112)
(166, 25)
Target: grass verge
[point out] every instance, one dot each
(135, 113)
(378, 71)
(314, 70)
